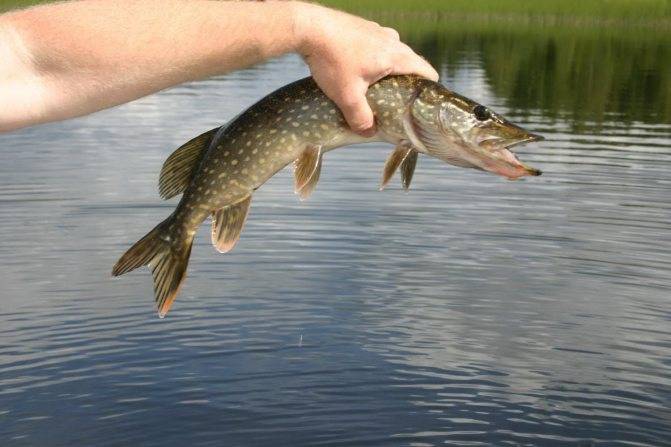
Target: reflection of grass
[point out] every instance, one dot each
(579, 59)
(435, 23)
(598, 9)
(587, 73)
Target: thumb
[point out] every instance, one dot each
(354, 106)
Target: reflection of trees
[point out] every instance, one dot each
(585, 77)
(581, 75)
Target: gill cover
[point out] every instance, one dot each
(424, 127)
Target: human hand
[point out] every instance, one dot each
(346, 54)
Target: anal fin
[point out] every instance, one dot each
(227, 224)
(404, 156)
(307, 168)
(178, 169)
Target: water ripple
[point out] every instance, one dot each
(470, 311)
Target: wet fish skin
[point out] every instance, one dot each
(218, 171)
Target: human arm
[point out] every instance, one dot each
(68, 59)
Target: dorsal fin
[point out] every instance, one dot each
(227, 224)
(178, 168)
(307, 168)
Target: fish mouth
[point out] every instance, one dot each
(501, 149)
(498, 143)
(528, 139)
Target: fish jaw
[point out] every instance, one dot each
(509, 166)
(497, 157)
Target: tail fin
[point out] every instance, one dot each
(167, 259)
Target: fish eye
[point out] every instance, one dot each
(482, 113)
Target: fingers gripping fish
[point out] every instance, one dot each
(218, 171)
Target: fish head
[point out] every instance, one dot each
(464, 133)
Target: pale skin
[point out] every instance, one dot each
(69, 59)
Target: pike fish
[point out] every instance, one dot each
(217, 172)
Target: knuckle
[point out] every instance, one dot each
(392, 33)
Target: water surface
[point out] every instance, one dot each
(469, 311)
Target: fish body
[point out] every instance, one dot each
(218, 171)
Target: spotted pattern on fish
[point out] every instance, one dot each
(218, 171)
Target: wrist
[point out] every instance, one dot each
(303, 17)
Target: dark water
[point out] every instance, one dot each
(470, 311)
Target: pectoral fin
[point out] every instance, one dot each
(405, 157)
(307, 169)
(408, 168)
(227, 224)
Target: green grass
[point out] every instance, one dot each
(11, 4)
(572, 13)
(623, 10)
(595, 9)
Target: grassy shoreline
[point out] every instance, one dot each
(570, 9)
(588, 14)
(615, 12)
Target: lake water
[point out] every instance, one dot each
(470, 311)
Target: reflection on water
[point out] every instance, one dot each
(470, 311)
(574, 74)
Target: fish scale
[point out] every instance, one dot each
(218, 171)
